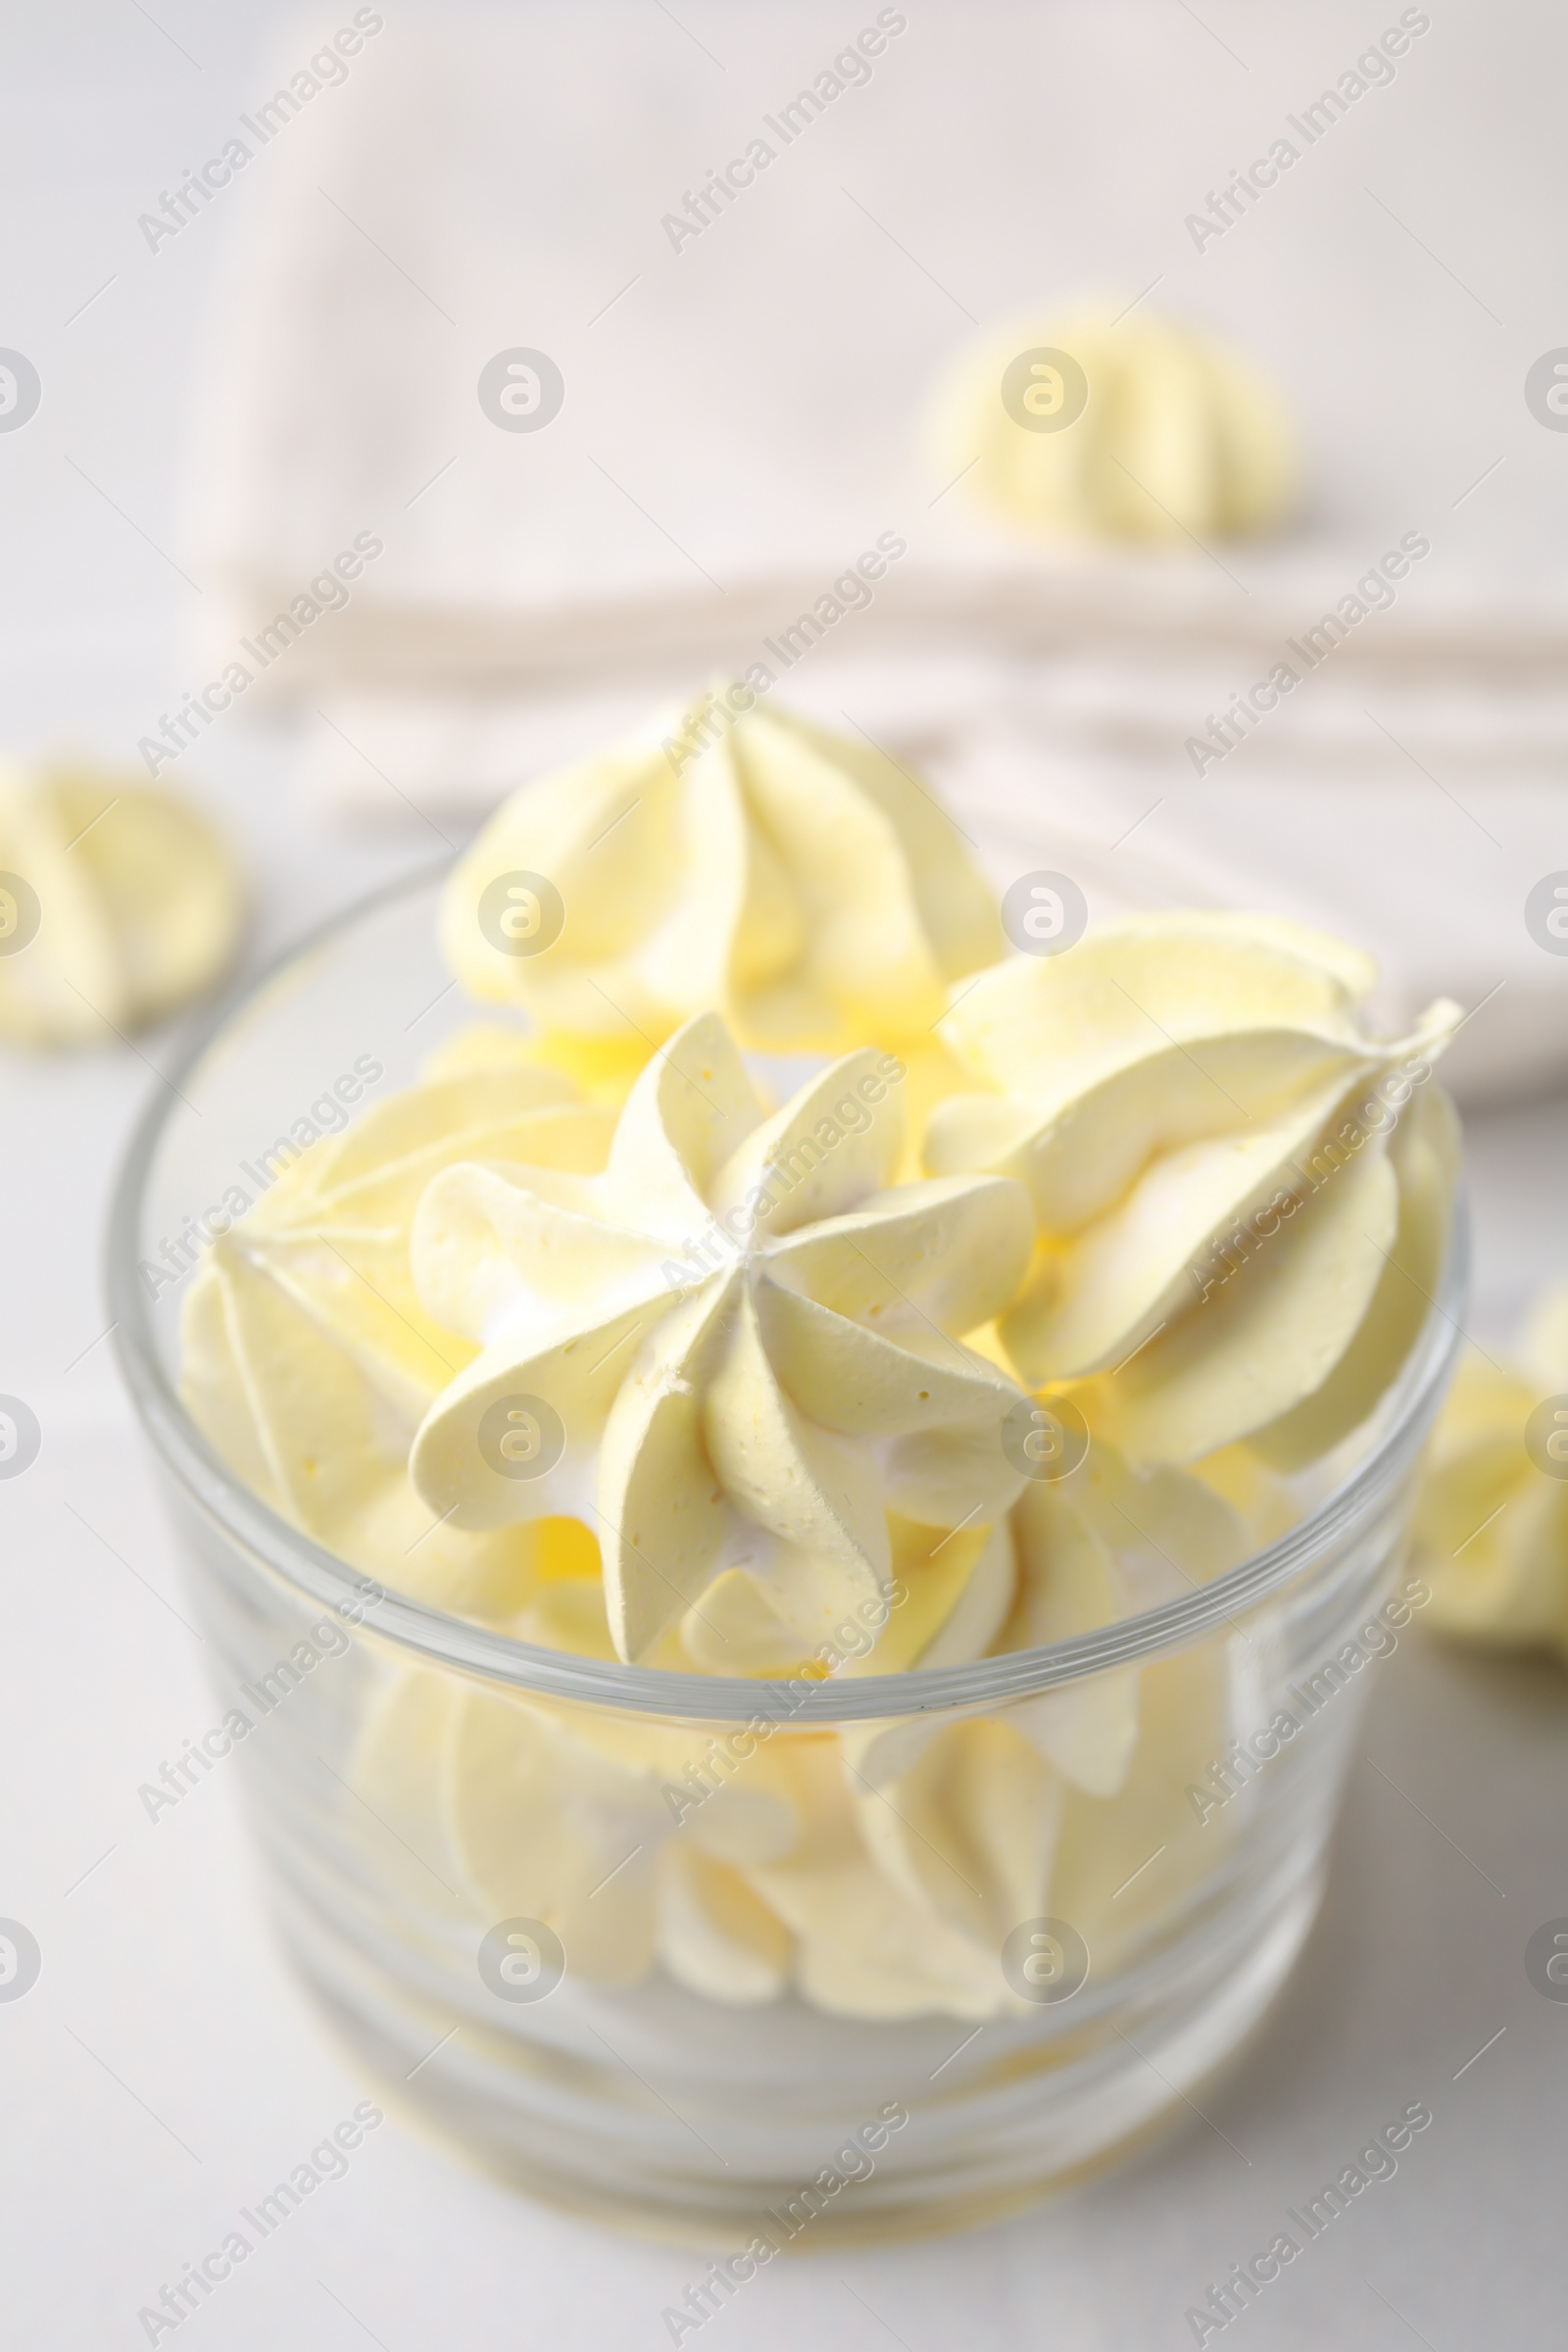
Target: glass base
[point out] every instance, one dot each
(609, 2116)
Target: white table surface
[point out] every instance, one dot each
(166, 2068)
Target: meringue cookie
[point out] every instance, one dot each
(308, 1362)
(398, 1767)
(1491, 1521)
(867, 1944)
(875, 1893)
(735, 859)
(1129, 1863)
(518, 1808)
(547, 1823)
(1238, 1222)
(967, 1834)
(901, 1894)
(745, 1337)
(499, 1804)
(1170, 437)
(118, 903)
(1071, 1556)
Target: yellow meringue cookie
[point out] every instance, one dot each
(952, 1596)
(981, 1831)
(1071, 1558)
(968, 1831)
(865, 1944)
(1071, 1585)
(1237, 1219)
(308, 1361)
(118, 903)
(1492, 1523)
(551, 1816)
(1040, 1575)
(1129, 1861)
(1087, 426)
(732, 860)
(878, 1894)
(398, 1767)
(949, 1594)
(745, 1340)
(1103, 1545)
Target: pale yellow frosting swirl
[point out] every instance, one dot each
(732, 860)
(118, 903)
(1492, 1525)
(876, 1871)
(308, 1361)
(1178, 438)
(1240, 1195)
(748, 1335)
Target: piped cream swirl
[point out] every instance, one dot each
(118, 903)
(748, 1339)
(1240, 1195)
(1168, 435)
(733, 859)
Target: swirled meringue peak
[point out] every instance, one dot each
(731, 858)
(735, 1353)
(1241, 1196)
(1492, 1523)
(307, 1362)
(1087, 425)
(118, 903)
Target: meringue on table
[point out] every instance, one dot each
(118, 903)
(1492, 1525)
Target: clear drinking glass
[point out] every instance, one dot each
(1175, 1910)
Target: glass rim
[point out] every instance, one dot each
(803, 1702)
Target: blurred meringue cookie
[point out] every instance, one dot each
(877, 1870)
(1071, 1558)
(728, 858)
(1128, 426)
(308, 1363)
(528, 1808)
(1241, 1196)
(118, 903)
(739, 1348)
(551, 1815)
(1492, 1524)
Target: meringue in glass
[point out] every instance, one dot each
(837, 1540)
(727, 857)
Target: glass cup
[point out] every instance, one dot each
(409, 1772)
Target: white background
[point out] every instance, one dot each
(165, 2069)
